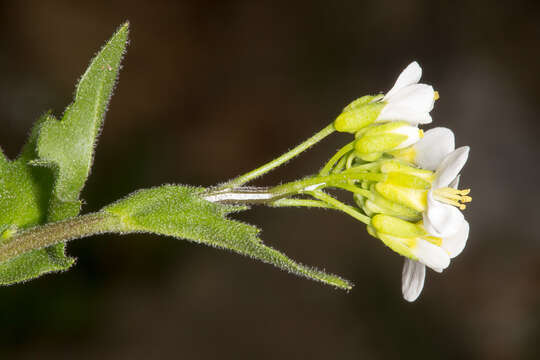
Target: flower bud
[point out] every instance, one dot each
(399, 235)
(378, 204)
(362, 101)
(405, 185)
(411, 240)
(358, 115)
(386, 137)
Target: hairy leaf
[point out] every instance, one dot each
(68, 145)
(24, 198)
(44, 183)
(180, 212)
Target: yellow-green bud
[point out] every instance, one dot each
(396, 166)
(362, 101)
(378, 139)
(399, 235)
(358, 117)
(385, 224)
(413, 198)
(377, 204)
(407, 180)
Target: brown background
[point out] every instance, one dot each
(211, 89)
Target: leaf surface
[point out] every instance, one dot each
(179, 211)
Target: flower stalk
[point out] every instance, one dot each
(404, 184)
(243, 179)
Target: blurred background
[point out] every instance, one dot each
(212, 89)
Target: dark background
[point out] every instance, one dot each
(211, 89)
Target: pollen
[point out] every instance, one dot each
(454, 197)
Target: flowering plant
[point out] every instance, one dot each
(403, 182)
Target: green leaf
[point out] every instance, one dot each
(67, 146)
(180, 212)
(24, 197)
(44, 183)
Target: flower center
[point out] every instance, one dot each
(453, 197)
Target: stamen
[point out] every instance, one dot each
(436, 95)
(454, 197)
(434, 240)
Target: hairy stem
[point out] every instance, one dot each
(279, 196)
(330, 164)
(241, 180)
(341, 206)
(53, 233)
(248, 195)
(291, 202)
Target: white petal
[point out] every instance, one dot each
(440, 219)
(412, 280)
(412, 133)
(392, 112)
(410, 75)
(417, 97)
(431, 255)
(455, 244)
(433, 147)
(455, 183)
(450, 167)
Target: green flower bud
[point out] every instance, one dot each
(390, 225)
(378, 139)
(378, 204)
(396, 166)
(399, 235)
(410, 197)
(362, 101)
(358, 117)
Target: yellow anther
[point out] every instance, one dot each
(436, 95)
(453, 197)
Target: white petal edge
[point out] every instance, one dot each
(410, 75)
(455, 244)
(455, 183)
(392, 112)
(441, 220)
(433, 147)
(418, 97)
(412, 133)
(431, 255)
(450, 167)
(412, 279)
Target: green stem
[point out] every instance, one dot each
(355, 189)
(297, 187)
(54, 233)
(241, 180)
(330, 164)
(290, 202)
(363, 167)
(341, 206)
(340, 165)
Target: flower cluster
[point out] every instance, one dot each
(412, 197)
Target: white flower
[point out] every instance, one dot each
(419, 248)
(441, 219)
(408, 100)
(442, 216)
(429, 151)
(414, 272)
